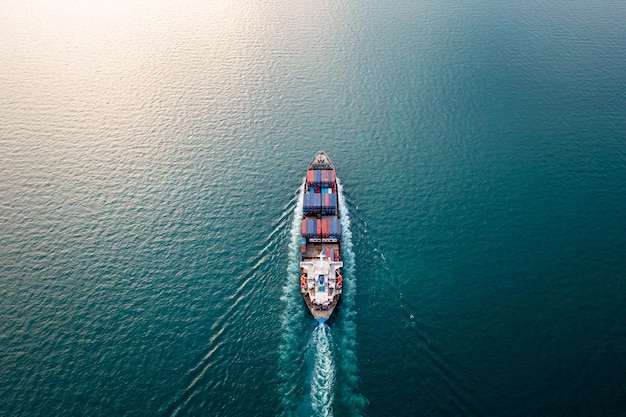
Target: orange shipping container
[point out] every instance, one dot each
(325, 228)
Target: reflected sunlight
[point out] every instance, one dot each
(94, 11)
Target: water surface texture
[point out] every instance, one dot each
(151, 154)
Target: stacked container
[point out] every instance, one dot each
(309, 229)
(321, 228)
(335, 229)
(329, 204)
(324, 204)
(310, 178)
(328, 178)
(320, 178)
(325, 228)
(312, 204)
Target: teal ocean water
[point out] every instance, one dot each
(151, 154)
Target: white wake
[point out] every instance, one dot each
(323, 374)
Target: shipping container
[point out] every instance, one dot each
(317, 202)
(307, 229)
(321, 178)
(317, 178)
(312, 204)
(329, 204)
(327, 179)
(307, 204)
(325, 228)
(312, 229)
(335, 228)
(325, 204)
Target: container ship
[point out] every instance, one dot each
(321, 282)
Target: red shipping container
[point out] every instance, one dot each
(325, 228)
(319, 228)
(327, 253)
(309, 177)
(303, 227)
(303, 248)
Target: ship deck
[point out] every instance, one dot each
(313, 250)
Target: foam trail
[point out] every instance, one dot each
(323, 376)
(291, 320)
(350, 397)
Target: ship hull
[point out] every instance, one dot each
(321, 281)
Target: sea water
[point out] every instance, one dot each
(151, 154)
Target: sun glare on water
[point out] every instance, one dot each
(93, 11)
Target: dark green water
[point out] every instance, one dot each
(150, 157)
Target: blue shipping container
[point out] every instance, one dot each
(311, 229)
(312, 203)
(306, 202)
(317, 202)
(332, 200)
(335, 228)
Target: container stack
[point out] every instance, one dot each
(335, 229)
(329, 204)
(326, 228)
(321, 178)
(309, 229)
(312, 204)
(312, 228)
(324, 204)
(310, 178)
